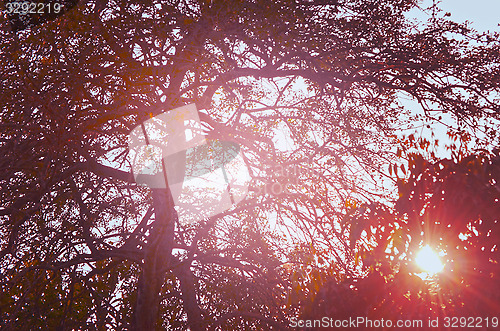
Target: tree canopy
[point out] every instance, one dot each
(315, 95)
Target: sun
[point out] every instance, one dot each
(428, 261)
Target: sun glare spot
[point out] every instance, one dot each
(428, 261)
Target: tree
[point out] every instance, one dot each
(83, 246)
(433, 208)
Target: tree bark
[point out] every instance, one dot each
(158, 254)
(189, 298)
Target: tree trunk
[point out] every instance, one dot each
(157, 258)
(189, 298)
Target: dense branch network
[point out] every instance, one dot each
(326, 81)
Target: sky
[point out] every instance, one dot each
(484, 14)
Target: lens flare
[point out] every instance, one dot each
(429, 261)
